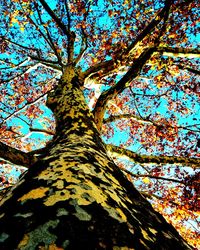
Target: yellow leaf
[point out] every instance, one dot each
(14, 20)
(159, 85)
(172, 36)
(114, 35)
(146, 180)
(15, 13)
(94, 60)
(22, 28)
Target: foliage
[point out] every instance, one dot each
(139, 62)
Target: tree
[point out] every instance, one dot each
(128, 59)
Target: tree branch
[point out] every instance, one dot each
(20, 45)
(68, 15)
(39, 30)
(113, 118)
(152, 176)
(70, 48)
(194, 71)
(42, 131)
(70, 34)
(192, 162)
(151, 26)
(48, 39)
(23, 107)
(53, 66)
(179, 52)
(133, 72)
(4, 191)
(16, 156)
(39, 59)
(84, 44)
(148, 195)
(84, 47)
(146, 120)
(25, 69)
(108, 66)
(55, 18)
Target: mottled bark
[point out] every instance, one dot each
(75, 197)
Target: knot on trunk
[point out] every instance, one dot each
(52, 98)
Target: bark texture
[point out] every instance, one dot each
(75, 197)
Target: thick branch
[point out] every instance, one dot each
(192, 162)
(151, 26)
(70, 48)
(108, 66)
(133, 72)
(179, 52)
(16, 156)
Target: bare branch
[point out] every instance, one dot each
(20, 45)
(41, 33)
(185, 161)
(150, 196)
(55, 18)
(43, 60)
(68, 15)
(151, 176)
(194, 71)
(48, 39)
(70, 34)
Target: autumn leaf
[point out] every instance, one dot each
(146, 180)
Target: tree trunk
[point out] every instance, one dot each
(75, 197)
